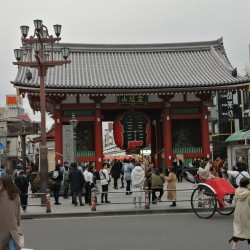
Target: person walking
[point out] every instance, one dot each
(178, 168)
(105, 179)
(157, 182)
(76, 181)
(127, 169)
(137, 180)
(56, 178)
(241, 224)
(22, 184)
(171, 186)
(10, 216)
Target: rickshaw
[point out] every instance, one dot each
(210, 196)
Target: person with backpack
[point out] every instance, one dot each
(65, 172)
(237, 175)
(105, 180)
(56, 179)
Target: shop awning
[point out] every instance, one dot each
(239, 135)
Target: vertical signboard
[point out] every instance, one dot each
(226, 112)
(68, 143)
(226, 101)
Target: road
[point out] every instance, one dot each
(140, 232)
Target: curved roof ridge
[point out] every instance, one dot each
(145, 47)
(221, 60)
(186, 66)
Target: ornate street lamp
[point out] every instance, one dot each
(74, 123)
(34, 47)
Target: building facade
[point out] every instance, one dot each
(171, 84)
(12, 144)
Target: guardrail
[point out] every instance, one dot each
(145, 194)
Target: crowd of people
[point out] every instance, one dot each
(134, 176)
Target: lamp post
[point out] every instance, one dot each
(74, 123)
(34, 55)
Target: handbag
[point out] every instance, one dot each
(97, 192)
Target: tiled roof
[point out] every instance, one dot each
(24, 117)
(50, 135)
(148, 66)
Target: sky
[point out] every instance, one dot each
(125, 21)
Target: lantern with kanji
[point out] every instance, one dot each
(132, 130)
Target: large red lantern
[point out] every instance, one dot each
(132, 130)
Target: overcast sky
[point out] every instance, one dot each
(126, 21)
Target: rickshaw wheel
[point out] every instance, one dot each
(229, 208)
(203, 202)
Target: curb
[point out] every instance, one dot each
(106, 213)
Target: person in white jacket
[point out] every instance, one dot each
(241, 223)
(204, 171)
(105, 180)
(137, 180)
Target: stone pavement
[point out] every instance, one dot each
(120, 204)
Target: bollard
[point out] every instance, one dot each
(93, 199)
(48, 207)
(147, 198)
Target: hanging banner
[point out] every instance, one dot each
(68, 143)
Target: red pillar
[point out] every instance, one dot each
(167, 134)
(154, 143)
(159, 143)
(58, 137)
(98, 137)
(205, 132)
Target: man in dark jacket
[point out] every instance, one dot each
(23, 184)
(57, 178)
(116, 172)
(76, 181)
